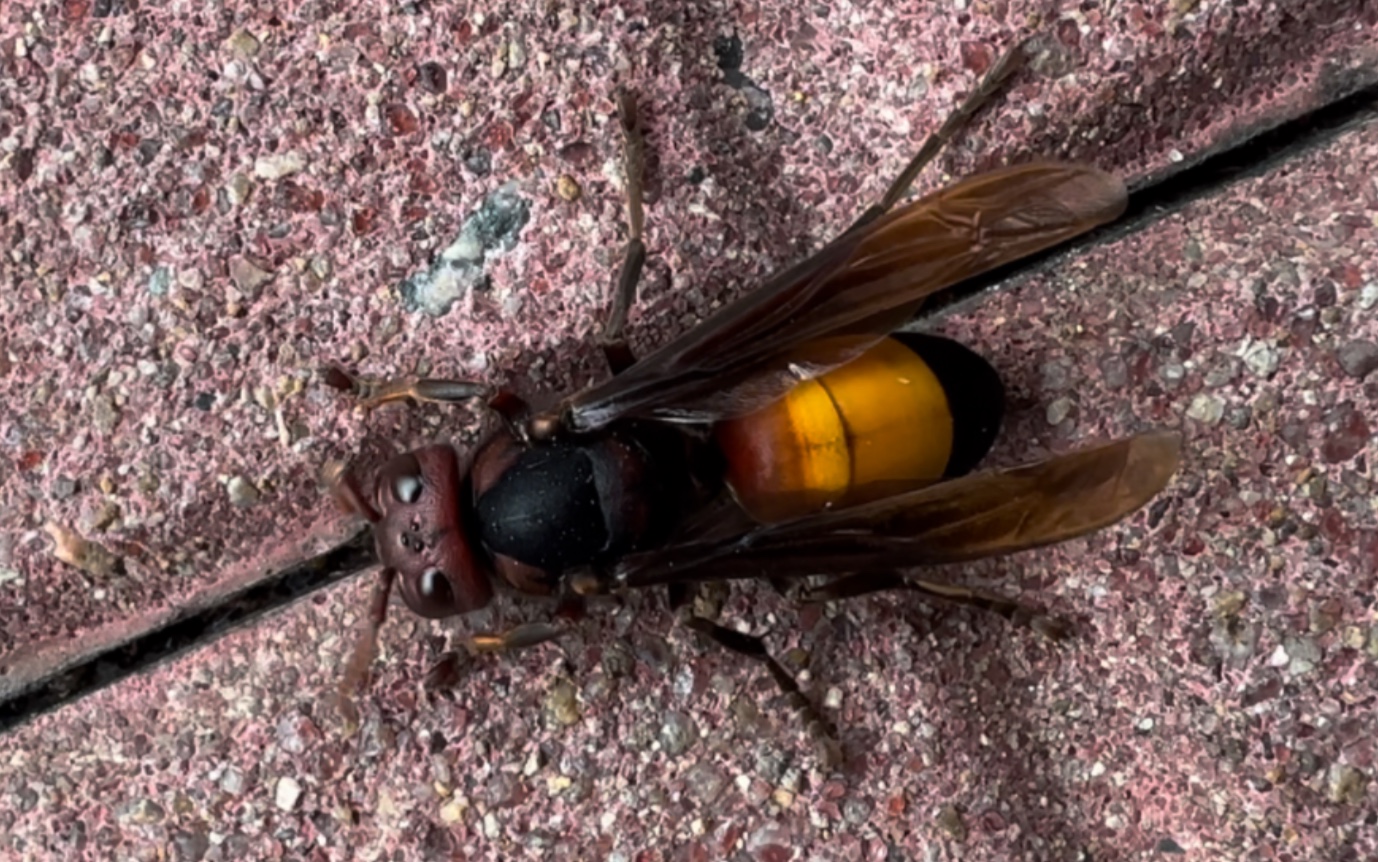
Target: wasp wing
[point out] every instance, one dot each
(980, 515)
(831, 307)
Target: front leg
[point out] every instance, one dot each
(365, 648)
(430, 390)
(375, 393)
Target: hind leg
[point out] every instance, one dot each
(988, 89)
(752, 647)
(615, 348)
(852, 586)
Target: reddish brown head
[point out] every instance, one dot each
(420, 531)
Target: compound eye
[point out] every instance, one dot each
(407, 489)
(435, 587)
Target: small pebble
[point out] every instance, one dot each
(1347, 438)
(533, 763)
(1230, 603)
(276, 167)
(1206, 409)
(401, 120)
(1222, 371)
(562, 703)
(1262, 358)
(949, 820)
(432, 77)
(242, 492)
(287, 793)
(567, 187)
(159, 281)
(243, 43)
(146, 812)
(1058, 410)
(105, 513)
(1353, 637)
(1057, 376)
(239, 189)
(1303, 654)
(556, 784)
(1358, 359)
(232, 781)
(320, 267)
(1346, 784)
(248, 276)
(104, 414)
(92, 558)
(453, 811)
(191, 845)
(705, 782)
(677, 733)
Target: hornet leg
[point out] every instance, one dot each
(615, 348)
(427, 390)
(852, 586)
(989, 87)
(752, 647)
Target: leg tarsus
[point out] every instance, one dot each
(357, 667)
(634, 256)
(852, 586)
(752, 647)
(1018, 614)
(989, 87)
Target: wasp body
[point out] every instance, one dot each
(793, 434)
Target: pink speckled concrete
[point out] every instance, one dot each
(169, 293)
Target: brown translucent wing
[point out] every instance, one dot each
(973, 517)
(828, 309)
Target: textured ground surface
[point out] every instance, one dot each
(199, 204)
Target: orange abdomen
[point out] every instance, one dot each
(910, 411)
